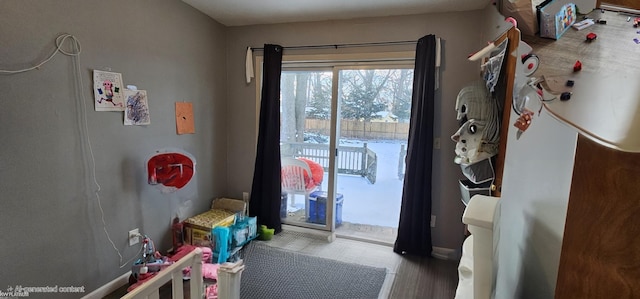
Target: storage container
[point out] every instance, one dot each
(318, 207)
(198, 229)
(479, 172)
(468, 189)
(244, 230)
(555, 17)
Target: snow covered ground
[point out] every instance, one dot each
(366, 203)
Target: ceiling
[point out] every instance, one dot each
(252, 12)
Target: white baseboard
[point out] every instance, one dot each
(109, 287)
(445, 253)
(322, 234)
(372, 241)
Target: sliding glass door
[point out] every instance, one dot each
(345, 125)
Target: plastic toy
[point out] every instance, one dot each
(531, 63)
(591, 36)
(151, 261)
(524, 121)
(565, 96)
(578, 66)
(265, 233)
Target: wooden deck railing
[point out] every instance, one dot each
(350, 160)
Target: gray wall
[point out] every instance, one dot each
(459, 39)
(52, 233)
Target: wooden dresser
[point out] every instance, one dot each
(600, 255)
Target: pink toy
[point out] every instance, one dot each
(212, 292)
(210, 271)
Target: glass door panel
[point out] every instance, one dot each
(305, 115)
(374, 111)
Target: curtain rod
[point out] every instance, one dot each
(336, 46)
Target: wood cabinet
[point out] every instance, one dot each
(600, 255)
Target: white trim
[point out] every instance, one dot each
(327, 235)
(109, 287)
(445, 253)
(361, 239)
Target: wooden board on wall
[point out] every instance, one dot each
(505, 86)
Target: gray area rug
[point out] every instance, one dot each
(279, 274)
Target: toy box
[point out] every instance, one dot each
(318, 207)
(198, 230)
(555, 17)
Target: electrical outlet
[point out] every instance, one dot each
(245, 196)
(134, 237)
(433, 220)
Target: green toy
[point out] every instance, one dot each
(265, 233)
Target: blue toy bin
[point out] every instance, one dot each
(318, 207)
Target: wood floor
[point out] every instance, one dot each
(614, 49)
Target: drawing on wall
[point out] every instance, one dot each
(137, 110)
(184, 118)
(108, 91)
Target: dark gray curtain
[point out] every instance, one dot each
(266, 188)
(414, 230)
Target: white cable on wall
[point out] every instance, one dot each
(59, 42)
(75, 54)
